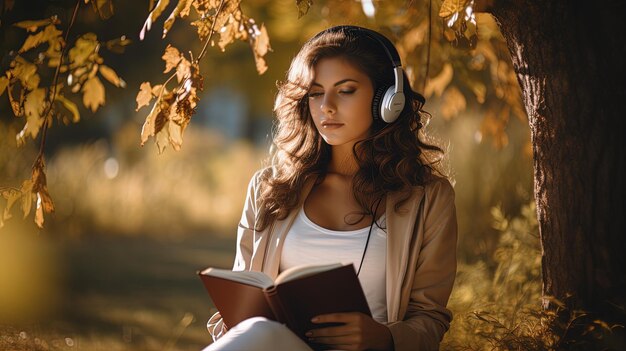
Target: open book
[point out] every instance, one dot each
(297, 295)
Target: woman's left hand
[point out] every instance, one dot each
(358, 332)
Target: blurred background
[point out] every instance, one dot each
(115, 267)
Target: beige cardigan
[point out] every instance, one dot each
(420, 264)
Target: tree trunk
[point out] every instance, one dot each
(569, 59)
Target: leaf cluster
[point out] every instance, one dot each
(174, 106)
(41, 101)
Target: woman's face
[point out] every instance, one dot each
(340, 101)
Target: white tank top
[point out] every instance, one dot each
(309, 243)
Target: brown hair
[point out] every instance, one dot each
(393, 158)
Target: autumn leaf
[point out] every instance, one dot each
(93, 93)
(12, 196)
(183, 69)
(40, 188)
(154, 15)
(17, 105)
(109, 74)
(144, 96)
(49, 34)
(260, 47)
(155, 121)
(450, 7)
(303, 7)
(26, 72)
(33, 109)
(181, 9)
(4, 81)
(171, 57)
(31, 26)
(86, 45)
(117, 45)
(70, 106)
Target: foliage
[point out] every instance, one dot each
(40, 101)
(501, 308)
(80, 69)
(173, 107)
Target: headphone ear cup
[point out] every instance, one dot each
(392, 105)
(377, 103)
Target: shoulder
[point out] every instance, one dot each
(436, 190)
(261, 175)
(437, 186)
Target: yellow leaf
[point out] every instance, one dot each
(157, 118)
(86, 45)
(26, 72)
(109, 74)
(49, 34)
(154, 15)
(16, 105)
(439, 83)
(176, 135)
(144, 96)
(34, 106)
(118, 45)
(93, 93)
(171, 57)
(39, 212)
(449, 7)
(4, 81)
(181, 10)
(303, 7)
(262, 42)
(31, 26)
(12, 196)
(183, 70)
(261, 47)
(70, 106)
(157, 90)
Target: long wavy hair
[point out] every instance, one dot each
(394, 157)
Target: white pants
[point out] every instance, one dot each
(259, 334)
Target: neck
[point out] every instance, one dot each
(343, 161)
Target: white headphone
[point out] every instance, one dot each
(388, 102)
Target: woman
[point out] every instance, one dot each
(351, 180)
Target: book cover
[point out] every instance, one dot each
(290, 301)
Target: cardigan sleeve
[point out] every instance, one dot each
(427, 318)
(245, 248)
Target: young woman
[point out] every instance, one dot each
(352, 180)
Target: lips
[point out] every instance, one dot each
(330, 124)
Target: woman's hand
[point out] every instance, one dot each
(358, 332)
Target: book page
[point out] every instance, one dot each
(304, 271)
(258, 279)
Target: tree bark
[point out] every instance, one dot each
(569, 59)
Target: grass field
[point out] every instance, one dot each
(124, 293)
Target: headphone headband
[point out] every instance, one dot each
(388, 102)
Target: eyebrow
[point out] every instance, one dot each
(338, 83)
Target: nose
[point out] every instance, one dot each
(328, 105)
